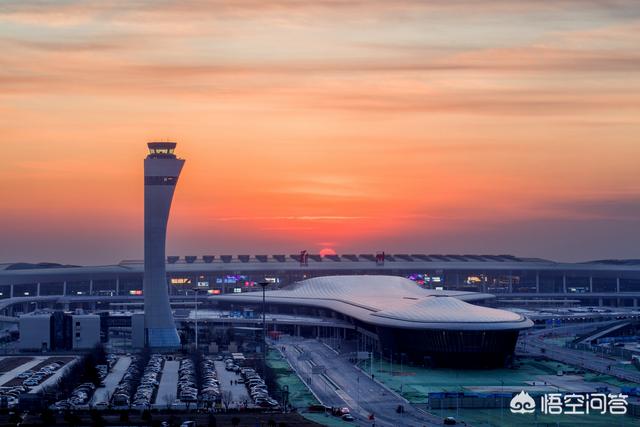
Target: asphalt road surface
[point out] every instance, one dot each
(346, 385)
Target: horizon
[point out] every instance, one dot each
(462, 127)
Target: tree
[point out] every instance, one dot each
(47, 417)
(15, 418)
(72, 419)
(96, 419)
(227, 398)
(169, 399)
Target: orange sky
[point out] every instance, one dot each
(406, 126)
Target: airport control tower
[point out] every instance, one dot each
(161, 171)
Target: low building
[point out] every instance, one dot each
(58, 331)
(35, 331)
(86, 331)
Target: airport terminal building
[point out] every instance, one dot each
(599, 283)
(397, 317)
(436, 309)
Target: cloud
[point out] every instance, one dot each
(73, 45)
(624, 207)
(290, 218)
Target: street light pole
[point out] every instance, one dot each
(195, 306)
(401, 373)
(264, 329)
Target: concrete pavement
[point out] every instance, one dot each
(239, 393)
(168, 387)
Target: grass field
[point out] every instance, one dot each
(415, 383)
(299, 395)
(326, 420)
(498, 418)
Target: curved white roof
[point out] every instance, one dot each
(392, 301)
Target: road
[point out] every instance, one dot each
(533, 344)
(103, 394)
(347, 385)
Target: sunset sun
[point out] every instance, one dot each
(327, 251)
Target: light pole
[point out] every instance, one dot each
(502, 401)
(264, 329)
(195, 302)
(401, 373)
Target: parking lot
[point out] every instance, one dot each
(28, 374)
(50, 373)
(239, 394)
(32, 372)
(13, 366)
(142, 381)
(102, 394)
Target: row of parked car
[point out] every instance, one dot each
(210, 385)
(79, 396)
(9, 396)
(33, 378)
(230, 366)
(103, 370)
(125, 389)
(187, 388)
(149, 381)
(257, 389)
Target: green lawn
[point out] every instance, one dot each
(601, 378)
(498, 418)
(559, 341)
(299, 395)
(326, 420)
(416, 382)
